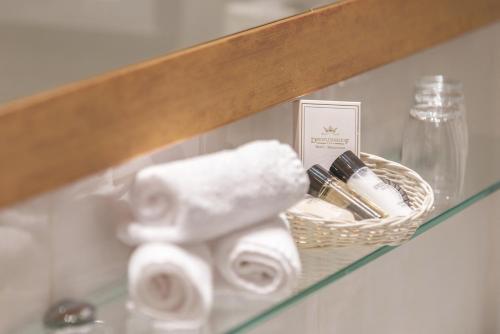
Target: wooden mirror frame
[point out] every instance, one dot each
(59, 136)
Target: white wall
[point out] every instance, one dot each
(68, 235)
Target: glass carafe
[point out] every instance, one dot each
(435, 141)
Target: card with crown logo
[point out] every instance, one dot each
(326, 129)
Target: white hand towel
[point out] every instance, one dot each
(171, 284)
(208, 196)
(260, 260)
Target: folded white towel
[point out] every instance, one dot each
(260, 260)
(171, 284)
(208, 196)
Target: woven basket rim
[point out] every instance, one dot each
(425, 208)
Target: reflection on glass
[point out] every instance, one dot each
(436, 139)
(69, 313)
(97, 327)
(75, 40)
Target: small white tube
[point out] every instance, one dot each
(350, 169)
(370, 186)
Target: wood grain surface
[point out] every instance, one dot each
(59, 136)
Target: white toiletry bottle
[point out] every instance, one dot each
(350, 169)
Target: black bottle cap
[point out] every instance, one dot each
(346, 165)
(318, 176)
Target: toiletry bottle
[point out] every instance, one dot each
(329, 188)
(350, 169)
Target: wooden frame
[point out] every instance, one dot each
(57, 137)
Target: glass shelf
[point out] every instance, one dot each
(357, 261)
(321, 267)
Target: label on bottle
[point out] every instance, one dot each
(325, 130)
(367, 184)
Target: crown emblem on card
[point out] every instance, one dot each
(330, 129)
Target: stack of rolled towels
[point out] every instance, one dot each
(213, 221)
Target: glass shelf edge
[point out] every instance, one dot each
(434, 221)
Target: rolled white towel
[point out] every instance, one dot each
(208, 196)
(259, 260)
(171, 284)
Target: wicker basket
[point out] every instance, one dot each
(310, 232)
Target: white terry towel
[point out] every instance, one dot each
(260, 260)
(208, 196)
(171, 284)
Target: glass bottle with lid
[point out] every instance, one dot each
(436, 138)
